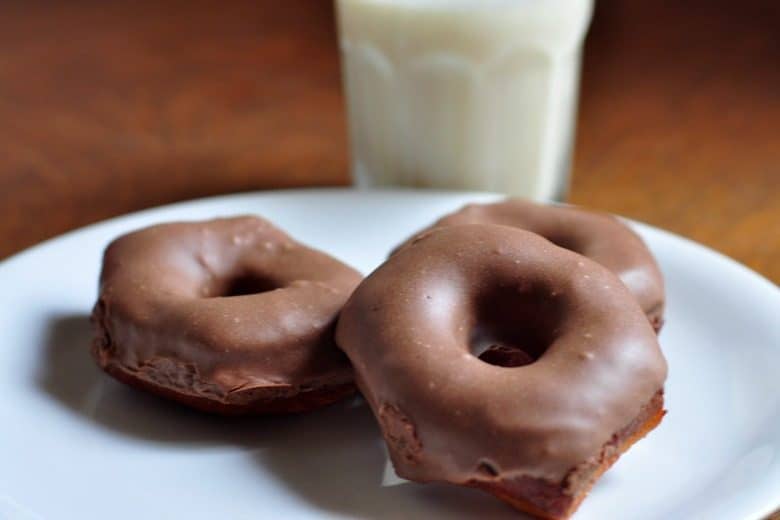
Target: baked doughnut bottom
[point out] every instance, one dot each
(558, 501)
(172, 380)
(258, 401)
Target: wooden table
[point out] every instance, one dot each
(108, 107)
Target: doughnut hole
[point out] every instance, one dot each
(514, 326)
(241, 284)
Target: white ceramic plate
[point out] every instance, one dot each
(76, 444)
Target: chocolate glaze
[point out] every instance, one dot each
(599, 236)
(229, 315)
(414, 330)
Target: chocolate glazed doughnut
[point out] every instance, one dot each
(535, 429)
(229, 316)
(598, 236)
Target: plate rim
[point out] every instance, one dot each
(341, 190)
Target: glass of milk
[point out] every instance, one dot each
(463, 94)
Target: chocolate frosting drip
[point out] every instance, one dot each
(415, 328)
(600, 237)
(221, 309)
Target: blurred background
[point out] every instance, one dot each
(110, 107)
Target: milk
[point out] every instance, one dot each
(463, 94)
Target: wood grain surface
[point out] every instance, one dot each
(109, 107)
